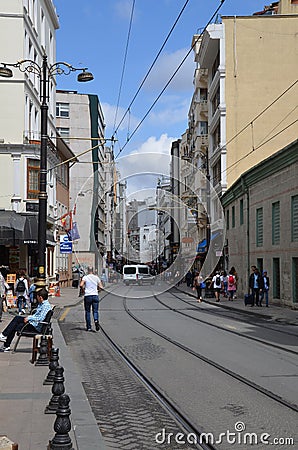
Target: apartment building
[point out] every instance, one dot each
(30, 29)
(80, 122)
(251, 107)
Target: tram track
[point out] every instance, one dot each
(183, 421)
(228, 330)
(180, 418)
(227, 309)
(214, 364)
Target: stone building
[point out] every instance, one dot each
(261, 212)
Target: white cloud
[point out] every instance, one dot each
(166, 66)
(109, 117)
(142, 167)
(123, 9)
(176, 111)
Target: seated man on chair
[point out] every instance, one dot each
(33, 320)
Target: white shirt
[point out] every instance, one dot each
(91, 283)
(214, 281)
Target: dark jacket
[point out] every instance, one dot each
(259, 281)
(267, 281)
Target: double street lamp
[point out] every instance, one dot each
(45, 74)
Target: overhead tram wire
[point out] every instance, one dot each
(171, 78)
(253, 120)
(151, 67)
(124, 64)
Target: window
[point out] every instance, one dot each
(259, 227)
(295, 279)
(203, 94)
(233, 216)
(62, 109)
(64, 133)
(294, 218)
(33, 167)
(203, 127)
(275, 223)
(276, 278)
(216, 138)
(260, 264)
(241, 218)
(215, 65)
(228, 219)
(216, 170)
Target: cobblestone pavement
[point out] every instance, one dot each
(128, 415)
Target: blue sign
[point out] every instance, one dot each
(65, 244)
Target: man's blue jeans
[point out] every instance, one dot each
(91, 301)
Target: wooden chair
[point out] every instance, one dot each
(46, 330)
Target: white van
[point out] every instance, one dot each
(138, 274)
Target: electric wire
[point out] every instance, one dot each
(171, 78)
(124, 62)
(151, 67)
(261, 113)
(259, 146)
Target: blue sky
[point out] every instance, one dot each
(93, 33)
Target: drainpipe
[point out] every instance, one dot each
(246, 191)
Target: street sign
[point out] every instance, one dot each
(65, 244)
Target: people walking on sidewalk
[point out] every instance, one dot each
(22, 292)
(234, 272)
(91, 285)
(217, 285)
(189, 279)
(32, 321)
(199, 286)
(256, 285)
(3, 288)
(265, 290)
(231, 286)
(225, 283)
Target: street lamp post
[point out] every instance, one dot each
(45, 73)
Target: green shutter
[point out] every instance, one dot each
(294, 218)
(233, 216)
(259, 227)
(241, 212)
(275, 223)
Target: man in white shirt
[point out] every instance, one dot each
(91, 285)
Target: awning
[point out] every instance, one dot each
(201, 247)
(12, 227)
(31, 231)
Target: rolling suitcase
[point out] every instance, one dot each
(248, 299)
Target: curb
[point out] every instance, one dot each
(85, 427)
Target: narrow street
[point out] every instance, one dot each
(215, 378)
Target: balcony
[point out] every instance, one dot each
(201, 142)
(201, 108)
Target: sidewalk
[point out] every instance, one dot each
(23, 397)
(276, 313)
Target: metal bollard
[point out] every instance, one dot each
(62, 426)
(54, 363)
(43, 353)
(57, 390)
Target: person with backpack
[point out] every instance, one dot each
(217, 285)
(233, 272)
(231, 286)
(22, 292)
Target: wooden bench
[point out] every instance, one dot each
(46, 330)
